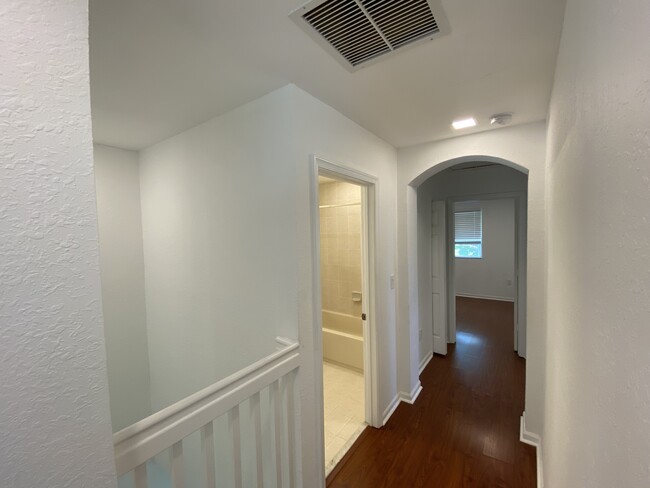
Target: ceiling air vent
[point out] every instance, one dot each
(360, 31)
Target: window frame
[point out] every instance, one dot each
(478, 242)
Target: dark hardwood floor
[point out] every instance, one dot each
(463, 430)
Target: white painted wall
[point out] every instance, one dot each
(122, 272)
(523, 145)
(321, 130)
(225, 214)
(54, 410)
(597, 423)
(220, 243)
(492, 276)
(462, 185)
(219, 233)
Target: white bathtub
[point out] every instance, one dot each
(343, 339)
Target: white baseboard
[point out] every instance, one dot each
(391, 409)
(411, 397)
(425, 361)
(485, 297)
(534, 440)
(402, 397)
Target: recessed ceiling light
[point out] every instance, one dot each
(464, 124)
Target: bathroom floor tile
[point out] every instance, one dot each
(344, 410)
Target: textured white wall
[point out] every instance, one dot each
(597, 428)
(492, 276)
(54, 411)
(523, 145)
(122, 271)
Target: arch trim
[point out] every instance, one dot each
(443, 165)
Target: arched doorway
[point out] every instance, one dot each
(495, 194)
(418, 165)
(522, 148)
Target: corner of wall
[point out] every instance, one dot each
(534, 440)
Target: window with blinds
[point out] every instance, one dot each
(468, 237)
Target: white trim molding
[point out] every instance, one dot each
(138, 443)
(425, 361)
(411, 397)
(369, 188)
(390, 409)
(402, 397)
(534, 440)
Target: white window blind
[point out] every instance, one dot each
(469, 226)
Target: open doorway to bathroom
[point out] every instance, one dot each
(344, 217)
(342, 307)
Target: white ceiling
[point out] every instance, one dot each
(161, 66)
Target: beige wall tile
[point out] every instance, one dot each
(340, 246)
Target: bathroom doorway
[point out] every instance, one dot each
(345, 217)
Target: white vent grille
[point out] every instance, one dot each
(359, 31)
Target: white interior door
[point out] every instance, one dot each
(439, 276)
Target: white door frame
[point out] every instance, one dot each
(520, 264)
(368, 184)
(439, 260)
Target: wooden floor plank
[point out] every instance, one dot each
(463, 431)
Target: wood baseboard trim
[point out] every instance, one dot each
(534, 440)
(425, 361)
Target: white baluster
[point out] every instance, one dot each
(197, 412)
(277, 408)
(289, 380)
(207, 448)
(257, 431)
(177, 464)
(233, 419)
(140, 476)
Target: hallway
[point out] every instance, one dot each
(463, 430)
